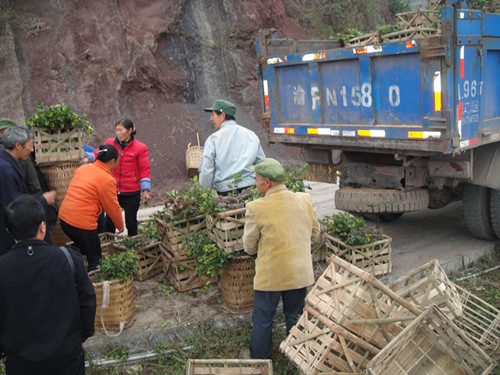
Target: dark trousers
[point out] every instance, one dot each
(73, 367)
(130, 204)
(264, 310)
(87, 241)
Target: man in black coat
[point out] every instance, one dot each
(47, 302)
(18, 143)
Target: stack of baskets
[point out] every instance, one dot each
(352, 323)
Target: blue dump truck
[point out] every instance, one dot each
(407, 123)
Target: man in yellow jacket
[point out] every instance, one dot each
(278, 230)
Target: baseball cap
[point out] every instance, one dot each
(221, 105)
(6, 123)
(269, 168)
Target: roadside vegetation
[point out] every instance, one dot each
(209, 342)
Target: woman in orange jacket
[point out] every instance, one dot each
(92, 189)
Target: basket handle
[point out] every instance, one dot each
(104, 305)
(198, 138)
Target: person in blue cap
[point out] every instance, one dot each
(228, 153)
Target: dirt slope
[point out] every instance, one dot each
(157, 62)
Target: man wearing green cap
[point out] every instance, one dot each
(278, 231)
(230, 151)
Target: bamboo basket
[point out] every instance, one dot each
(229, 367)
(360, 303)
(119, 312)
(236, 284)
(428, 285)
(181, 272)
(58, 145)
(194, 154)
(226, 229)
(431, 344)
(481, 322)
(374, 258)
(421, 32)
(172, 234)
(318, 345)
(58, 178)
(150, 263)
(363, 40)
(58, 237)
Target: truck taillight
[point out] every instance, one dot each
(437, 92)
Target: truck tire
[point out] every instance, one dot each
(477, 211)
(495, 211)
(380, 201)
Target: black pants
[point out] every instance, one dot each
(73, 367)
(130, 204)
(87, 241)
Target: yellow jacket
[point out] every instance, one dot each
(279, 228)
(92, 189)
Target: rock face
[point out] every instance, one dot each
(157, 62)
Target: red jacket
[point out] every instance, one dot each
(133, 166)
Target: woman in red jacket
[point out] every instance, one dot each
(132, 174)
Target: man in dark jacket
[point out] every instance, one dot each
(47, 302)
(18, 143)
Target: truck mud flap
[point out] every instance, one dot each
(376, 201)
(477, 211)
(495, 211)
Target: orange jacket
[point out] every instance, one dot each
(92, 189)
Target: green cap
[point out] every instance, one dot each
(6, 123)
(270, 168)
(222, 106)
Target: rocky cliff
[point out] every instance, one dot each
(158, 62)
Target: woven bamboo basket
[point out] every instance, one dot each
(149, 255)
(374, 258)
(229, 367)
(120, 309)
(58, 237)
(181, 272)
(236, 284)
(481, 322)
(226, 229)
(172, 234)
(428, 285)
(318, 345)
(363, 40)
(58, 145)
(421, 32)
(359, 302)
(58, 178)
(194, 154)
(431, 344)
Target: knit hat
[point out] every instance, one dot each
(221, 105)
(6, 123)
(270, 168)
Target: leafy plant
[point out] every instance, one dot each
(234, 183)
(351, 229)
(190, 203)
(210, 259)
(294, 179)
(118, 266)
(148, 229)
(58, 116)
(349, 34)
(387, 29)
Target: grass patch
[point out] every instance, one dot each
(205, 342)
